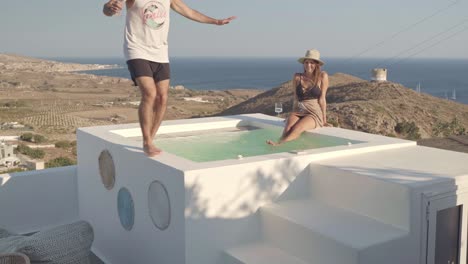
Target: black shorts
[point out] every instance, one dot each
(140, 67)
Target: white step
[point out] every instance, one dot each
(259, 253)
(317, 232)
(360, 191)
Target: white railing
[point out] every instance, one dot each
(30, 201)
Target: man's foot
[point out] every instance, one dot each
(269, 142)
(150, 150)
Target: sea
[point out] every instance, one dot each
(444, 78)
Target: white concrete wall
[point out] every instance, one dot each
(409, 249)
(135, 171)
(222, 203)
(33, 200)
(214, 204)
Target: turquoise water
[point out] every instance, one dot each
(228, 145)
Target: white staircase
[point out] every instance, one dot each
(260, 253)
(325, 228)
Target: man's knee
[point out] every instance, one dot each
(162, 99)
(148, 95)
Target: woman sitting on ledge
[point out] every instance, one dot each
(309, 109)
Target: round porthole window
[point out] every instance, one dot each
(159, 205)
(107, 169)
(125, 208)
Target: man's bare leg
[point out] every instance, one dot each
(160, 105)
(145, 113)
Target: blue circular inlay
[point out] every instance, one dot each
(126, 208)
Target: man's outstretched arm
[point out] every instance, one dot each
(180, 7)
(112, 7)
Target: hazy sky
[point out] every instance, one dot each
(272, 28)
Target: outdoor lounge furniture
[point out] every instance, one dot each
(65, 244)
(14, 258)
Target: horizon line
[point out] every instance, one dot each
(239, 57)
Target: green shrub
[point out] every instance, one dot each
(27, 137)
(64, 144)
(30, 137)
(60, 162)
(448, 128)
(409, 130)
(22, 148)
(39, 139)
(33, 153)
(333, 122)
(15, 104)
(14, 170)
(36, 153)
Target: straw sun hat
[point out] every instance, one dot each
(312, 54)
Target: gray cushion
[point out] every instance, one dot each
(5, 233)
(13, 258)
(11, 244)
(66, 244)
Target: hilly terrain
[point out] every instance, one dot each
(53, 99)
(384, 108)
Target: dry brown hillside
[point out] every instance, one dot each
(381, 108)
(54, 100)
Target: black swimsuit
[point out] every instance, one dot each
(308, 93)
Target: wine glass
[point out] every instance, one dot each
(278, 108)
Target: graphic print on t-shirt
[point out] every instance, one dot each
(154, 15)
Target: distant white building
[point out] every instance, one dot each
(379, 75)
(7, 156)
(11, 125)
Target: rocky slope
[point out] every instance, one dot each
(374, 107)
(33, 88)
(54, 100)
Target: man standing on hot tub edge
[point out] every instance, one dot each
(146, 52)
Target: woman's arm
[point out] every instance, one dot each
(322, 100)
(295, 81)
(180, 7)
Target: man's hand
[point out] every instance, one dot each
(113, 7)
(221, 22)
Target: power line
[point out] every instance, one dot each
(404, 30)
(423, 42)
(381, 65)
(435, 44)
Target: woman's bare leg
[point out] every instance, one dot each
(305, 123)
(290, 122)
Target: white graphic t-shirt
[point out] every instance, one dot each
(146, 30)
